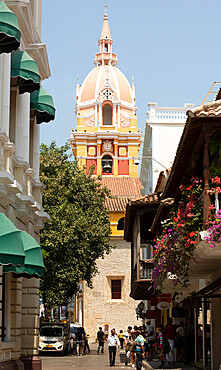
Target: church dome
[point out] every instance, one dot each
(97, 79)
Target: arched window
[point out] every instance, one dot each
(107, 115)
(120, 224)
(106, 48)
(107, 164)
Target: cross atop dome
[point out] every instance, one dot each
(105, 55)
(105, 33)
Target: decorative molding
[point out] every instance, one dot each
(107, 146)
(124, 122)
(90, 122)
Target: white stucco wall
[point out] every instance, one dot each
(165, 140)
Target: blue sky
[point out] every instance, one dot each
(171, 47)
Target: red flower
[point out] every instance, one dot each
(190, 187)
(216, 180)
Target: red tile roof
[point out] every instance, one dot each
(122, 189)
(147, 199)
(212, 109)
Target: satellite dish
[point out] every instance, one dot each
(163, 306)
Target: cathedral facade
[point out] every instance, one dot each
(108, 139)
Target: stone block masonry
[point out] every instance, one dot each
(98, 307)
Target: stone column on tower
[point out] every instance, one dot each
(99, 157)
(115, 158)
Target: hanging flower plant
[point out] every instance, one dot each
(174, 248)
(213, 235)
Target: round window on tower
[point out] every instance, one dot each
(107, 94)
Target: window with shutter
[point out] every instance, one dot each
(115, 289)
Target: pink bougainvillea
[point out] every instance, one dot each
(174, 248)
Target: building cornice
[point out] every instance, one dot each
(30, 37)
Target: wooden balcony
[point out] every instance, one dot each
(141, 280)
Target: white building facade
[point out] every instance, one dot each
(24, 104)
(164, 127)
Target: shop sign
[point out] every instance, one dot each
(151, 314)
(163, 306)
(164, 298)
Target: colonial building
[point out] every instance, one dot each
(198, 158)
(24, 104)
(162, 125)
(107, 138)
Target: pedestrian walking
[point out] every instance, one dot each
(100, 338)
(150, 340)
(170, 333)
(78, 337)
(128, 342)
(113, 342)
(121, 339)
(159, 344)
(140, 352)
(133, 356)
(86, 343)
(180, 342)
(83, 339)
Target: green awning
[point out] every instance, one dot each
(24, 70)
(9, 31)
(42, 103)
(11, 244)
(33, 265)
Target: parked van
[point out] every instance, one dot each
(54, 337)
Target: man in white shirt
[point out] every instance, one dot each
(113, 342)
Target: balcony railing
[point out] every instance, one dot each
(174, 114)
(146, 269)
(217, 202)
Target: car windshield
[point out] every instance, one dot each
(50, 332)
(73, 329)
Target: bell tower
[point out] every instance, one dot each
(106, 136)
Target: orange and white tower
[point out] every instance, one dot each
(107, 137)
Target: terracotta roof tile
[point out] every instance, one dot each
(212, 109)
(123, 186)
(122, 189)
(147, 199)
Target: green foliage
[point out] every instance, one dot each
(215, 154)
(77, 233)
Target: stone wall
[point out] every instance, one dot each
(98, 307)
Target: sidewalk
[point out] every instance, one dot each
(156, 364)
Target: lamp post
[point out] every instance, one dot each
(137, 161)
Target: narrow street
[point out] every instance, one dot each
(91, 361)
(94, 361)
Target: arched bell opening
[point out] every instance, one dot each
(107, 164)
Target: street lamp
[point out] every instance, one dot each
(137, 161)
